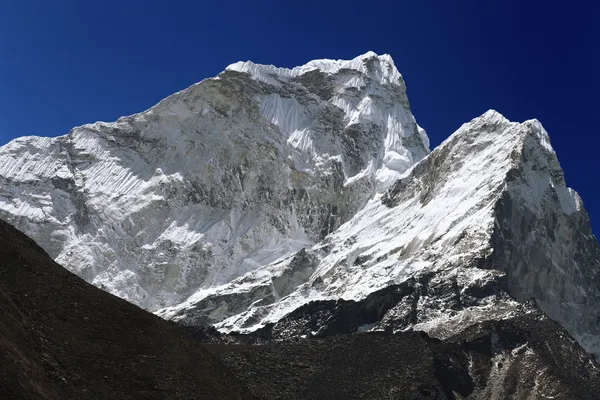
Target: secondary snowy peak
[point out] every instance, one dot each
(381, 69)
(215, 181)
(483, 222)
(394, 237)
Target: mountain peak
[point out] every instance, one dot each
(247, 197)
(218, 179)
(378, 67)
(493, 114)
(494, 123)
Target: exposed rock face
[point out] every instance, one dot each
(544, 242)
(215, 181)
(61, 337)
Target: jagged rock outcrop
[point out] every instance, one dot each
(214, 181)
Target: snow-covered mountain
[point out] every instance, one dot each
(296, 200)
(215, 181)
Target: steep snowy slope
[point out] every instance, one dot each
(215, 181)
(481, 225)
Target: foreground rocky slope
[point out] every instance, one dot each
(61, 338)
(525, 357)
(216, 180)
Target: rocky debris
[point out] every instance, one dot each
(524, 357)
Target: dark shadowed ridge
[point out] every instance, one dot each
(62, 338)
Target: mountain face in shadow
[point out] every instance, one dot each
(62, 338)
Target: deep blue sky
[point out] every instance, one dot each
(64, 63)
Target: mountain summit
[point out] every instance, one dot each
(305, 202)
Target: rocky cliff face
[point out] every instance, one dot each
(215, 181)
